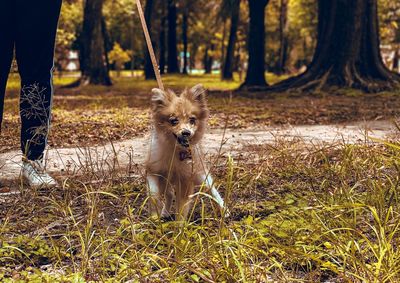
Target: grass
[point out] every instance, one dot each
(14, 82)
(125, 82)
(300, 213)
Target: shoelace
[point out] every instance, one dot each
(36, 165)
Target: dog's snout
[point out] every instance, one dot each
(186, 133)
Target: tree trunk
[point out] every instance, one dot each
(396, 57)
(205, 60)
(172, 42)
(106, 41)
(193, 55)
(347, 52)
(94, 65)
(162, 39)
(185, 40)
(208, 59)
(283, 37)
(223, 46)
(227, 73)
(255, 77)
(148, 65)
(133, 45)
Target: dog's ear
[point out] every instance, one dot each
(198, 93)
(159, 98)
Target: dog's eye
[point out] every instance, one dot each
(174, 121)
(192, 120)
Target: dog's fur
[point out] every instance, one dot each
(174, 164)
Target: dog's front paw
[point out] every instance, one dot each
(166, 216)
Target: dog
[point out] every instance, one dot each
(174, 165)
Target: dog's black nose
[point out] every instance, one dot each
(186, 133)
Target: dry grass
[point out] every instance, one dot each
(300, 213)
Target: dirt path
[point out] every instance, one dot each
(77, 160)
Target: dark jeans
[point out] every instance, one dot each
(30, 26)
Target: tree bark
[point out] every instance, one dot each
(133, 45)
(193, 55)
(162, 39)
(205, 60)
(148, 65)
(106, 42)
(396, 57)
(347, 52)
(283, 37)
(208, 60)
(227, 73)
(223, 45)
(94, 65)
(172, 41)
(185, 39)
(255, 77)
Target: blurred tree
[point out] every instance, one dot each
(302, 33)
(231, 7)
(64, 41)
(107, 41)
(222, 43)
(122, 19)
(172, 40)
(192, 14)
(272, 33)
(255, 78)
(204, 27)
(93, 54)
(290, 34)
(396, 59)
(389, 17)
(162, 50)
(208, 58)
(70, 22)
(347, 52)
(185, 23)
(283, 37)
(202, 32)
(123, 26)
(118, 57)
(148, 66)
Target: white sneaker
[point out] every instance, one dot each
(35, 175)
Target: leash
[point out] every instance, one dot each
(149, 45)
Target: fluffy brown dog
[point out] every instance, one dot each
(174, 164)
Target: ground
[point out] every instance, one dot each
(301, 210)
(95, 115)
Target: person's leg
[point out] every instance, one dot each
(36, 26)
(7, 24)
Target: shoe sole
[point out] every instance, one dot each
(37, 187)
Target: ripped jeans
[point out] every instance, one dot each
(30, 27)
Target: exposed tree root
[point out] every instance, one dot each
(253, 88)
(349, 78)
